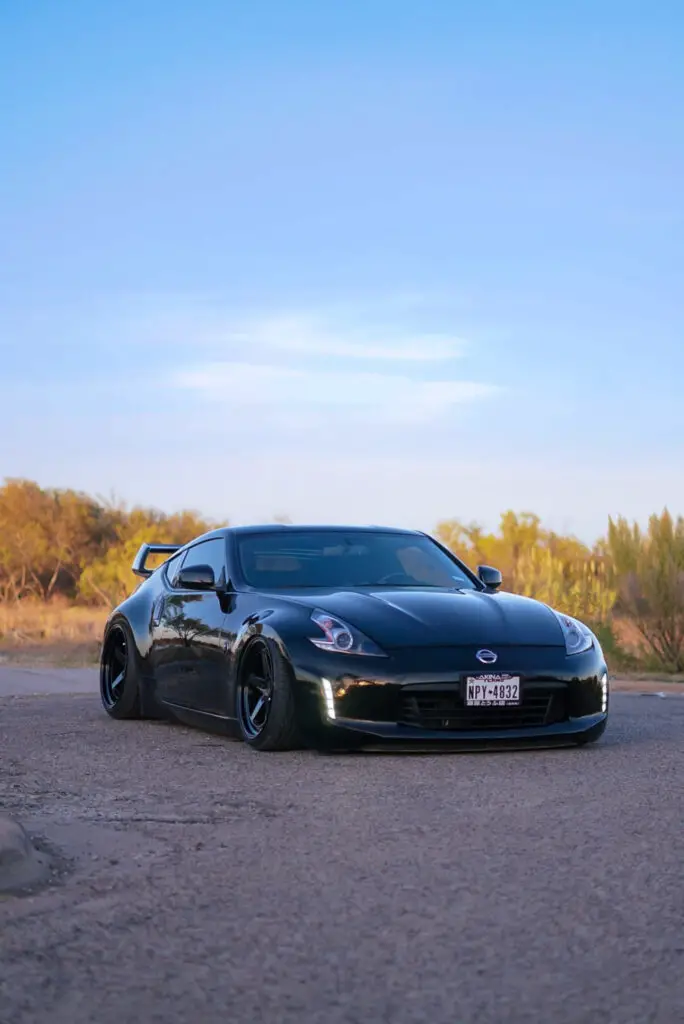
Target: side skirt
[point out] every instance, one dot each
(221, 725)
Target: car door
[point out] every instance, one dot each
(191, 655)
(164, 649)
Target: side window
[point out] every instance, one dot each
(209, 552)
(173, 565)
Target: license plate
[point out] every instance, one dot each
(492, 691)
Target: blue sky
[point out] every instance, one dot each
(368, 262)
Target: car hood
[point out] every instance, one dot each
(403, 617)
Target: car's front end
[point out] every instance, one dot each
(466, 696)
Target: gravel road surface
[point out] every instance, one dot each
(196, 881)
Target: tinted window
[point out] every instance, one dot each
(295, 558)
(173, 565)
(209, 552)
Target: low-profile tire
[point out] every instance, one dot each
(120, 673)
(591, 735)
(264, 700)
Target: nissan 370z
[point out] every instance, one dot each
(347, 637)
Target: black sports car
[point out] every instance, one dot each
(339, 637)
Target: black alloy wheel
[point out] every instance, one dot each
(114, 668)
(255, 690)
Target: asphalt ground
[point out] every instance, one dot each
(193, 880)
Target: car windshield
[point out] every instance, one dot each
(292, 558)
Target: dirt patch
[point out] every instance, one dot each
(52, 633)
(648, 684)
(51, 654)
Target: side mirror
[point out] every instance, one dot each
(196, 577)
(490, 576)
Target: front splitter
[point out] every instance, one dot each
(388, 736)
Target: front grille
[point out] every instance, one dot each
(445, 710)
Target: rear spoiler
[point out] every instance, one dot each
(151, 549)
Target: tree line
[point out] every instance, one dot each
(61, 543)
(56, 542)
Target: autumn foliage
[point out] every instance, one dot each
(64, 543)
(65, 549)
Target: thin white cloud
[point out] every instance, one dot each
(302, 367)
(308, 335)
(369, 396)
(207, 329)
(214, 331)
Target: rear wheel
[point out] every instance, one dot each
(265, 707)
(119, 674)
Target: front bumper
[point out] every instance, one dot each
(415, 697)
(376, 735)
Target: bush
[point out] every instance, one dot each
(560, 571)
(649, 572)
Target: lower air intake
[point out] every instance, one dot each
(439, 710)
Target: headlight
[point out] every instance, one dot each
(578, 637)
(341, 638)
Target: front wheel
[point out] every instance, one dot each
(264, 701)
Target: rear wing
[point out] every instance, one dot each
(139, 567)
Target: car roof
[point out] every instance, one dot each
(266, 528)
